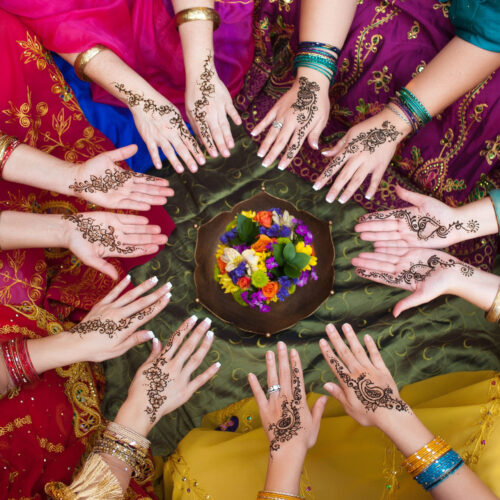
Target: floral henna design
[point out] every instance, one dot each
(108, 326)
(306, 106)
(112, 180)
(95, 233)
(180, 331)
(371, 396)
(365, 141)
(425, 226)
(207, 90)
(157, 383)
(176, 121)
(289, 423)
(418, 272)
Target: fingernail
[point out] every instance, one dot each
(217, 364)
(315, 145)
(252, 133)
(156, 341)
(154, 279)
(150, 334)
(281, 345)
(210, 334)
(169, 285)
(324, 153)
(168, 296)
(265, 164)
(207, 321)
(259, 154)
(368, 197)
(316, 187)
(323, 342)
(330, 199)
(193, 318)
(231, 144)
(203, 161)
(293, 352)
(194, 168)
(269, 354)
(341, 200)
(281, 167)
(128, 277)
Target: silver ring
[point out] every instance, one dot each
(273, 388)
(277, 124)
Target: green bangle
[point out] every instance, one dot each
(412, 101)
(495, 198)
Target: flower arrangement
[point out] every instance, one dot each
(263, 257)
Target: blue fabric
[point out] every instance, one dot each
(114, 122)
(495, 198)
(477, 22)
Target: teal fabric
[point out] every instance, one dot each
(495, 198)
(477, 22)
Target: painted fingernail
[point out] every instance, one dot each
(207, 321)
(128, 277)
(265, 164)
(193, 318)
(324, 153)
(168, 296)
(259, 154)
(252, 133)
(217, 364)
(156, 341)
(330, 199)
(315, 145)
(150, 334)
(154, 279)
(368, 197)
(168, 285)
(281, 167)
(316, 187)
(342, 200)
(210, 334)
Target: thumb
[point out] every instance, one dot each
(318, 409)
(415, 299)
(121, 154)
(411, 197)
(336, 392)
(313, 137)
(102, 266)
(138, 338)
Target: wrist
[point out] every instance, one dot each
(132, 415)
(315, 76)
(284, 470)
(53, 352)
(402, 126)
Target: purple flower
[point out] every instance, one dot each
(241, 248)
(285, 282)
(271, 263)
(282, 294)
(304, 277)
(314, 276)
(257, 299)
(238, 272)
(308, 238)
(277, 210)
(285, 232)
(264, 308)
(301, 229)
(228, 236)
(244, 297)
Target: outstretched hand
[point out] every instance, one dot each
(101, 181)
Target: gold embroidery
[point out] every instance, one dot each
(414, 31)
(419, 69)
(283, 4)
(444, 7)
(381, 80)
(13, 476)
(491, 152)
(176, 465)
(15, 424)
(50, 447)
(25, 332)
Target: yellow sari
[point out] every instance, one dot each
(226, 458)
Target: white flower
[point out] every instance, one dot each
(251, 259)
(232, 258)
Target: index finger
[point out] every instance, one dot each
(175, 340)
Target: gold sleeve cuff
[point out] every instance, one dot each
(84, 58)
(197, 14)
(95, 481)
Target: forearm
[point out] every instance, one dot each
(25, 230)
(479, 289)
(32, 167)
(284, 471)
(456, 69)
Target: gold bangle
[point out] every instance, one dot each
(276, 495)
(493, 314)
(197, 14)
(128, 435)
(84, 58)
(421, 459)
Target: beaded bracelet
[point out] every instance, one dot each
(7, 146)
(84, 58)
(439, 470)
(493, 314)
(276, 495)
(18, 362)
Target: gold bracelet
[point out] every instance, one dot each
(276, 495)
(128, 435)
(493, 314)
(421, 459)
(197, 14)
(84, 58)
(5, 140)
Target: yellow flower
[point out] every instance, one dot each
(249, 213)
(301, 247)
(227, 284)
(220, 251)
(312, 262)
(261, 264)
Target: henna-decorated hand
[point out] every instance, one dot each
(208, 104)
(290, 426)
(367, 148)
(100, 181)
(302, 113)
(93, 236)
(366, 388)
(111, 327)
(163, 382)
(427, 273)
(161, 126)
(429, 223)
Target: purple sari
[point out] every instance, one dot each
(453, 158)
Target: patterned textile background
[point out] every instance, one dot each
(445, 336)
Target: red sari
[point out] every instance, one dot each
(47, 428)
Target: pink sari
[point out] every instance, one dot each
(143, 34)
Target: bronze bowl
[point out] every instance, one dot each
(304, 302)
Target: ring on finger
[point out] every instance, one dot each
(273, 388)
(277, 124)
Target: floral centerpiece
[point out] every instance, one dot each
(264, 256)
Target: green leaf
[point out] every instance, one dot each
(247, 229)
(237, 298)
(292, 271)
(230, 225)
(289, 252)
(301, 260)
(283, 241)
(278, 254)
(216, 272)
(292, 289)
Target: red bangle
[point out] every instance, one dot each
(8, 151)
(18, 362)
(26, 363)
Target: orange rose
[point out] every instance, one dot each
(244, 282)
(261, 243)
(222, 266)
(264, 218)
(270, 290)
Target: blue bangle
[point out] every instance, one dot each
(439, 470)
(495, 198)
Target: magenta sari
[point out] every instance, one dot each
(143, 34)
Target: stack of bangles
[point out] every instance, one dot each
(276, 495)
(433, 463)
(319, 56)
(18, 362)
(409, 109)
(129, 447)
(7, 145)
(493, 314)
